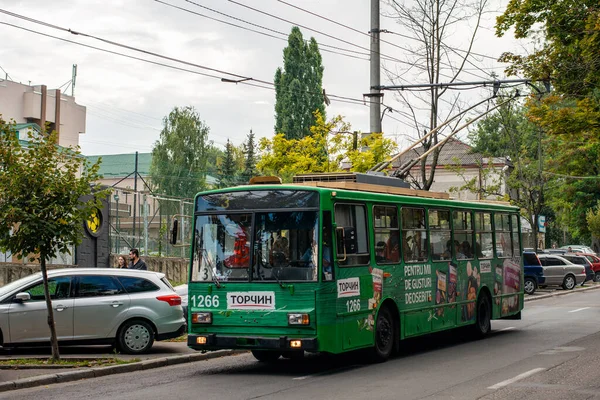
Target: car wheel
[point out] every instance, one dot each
(569, 282)
(597, 277)
(135, 337)
(529, 286)
(483, 323)
(384, 336)
(266, 355)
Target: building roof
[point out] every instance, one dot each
(121, 165)
(452, 152)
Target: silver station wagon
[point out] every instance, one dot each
(127, 308)
(561, 272)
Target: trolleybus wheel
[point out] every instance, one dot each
(384, 336)
(266, 355)
(483, 324)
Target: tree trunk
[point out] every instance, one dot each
(53, 338)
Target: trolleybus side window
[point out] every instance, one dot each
(351, 234)
(414, 235)
(514, 219)
(503, 235)
(441, 238)
(484, 244)
(387, 234)
(463, 234)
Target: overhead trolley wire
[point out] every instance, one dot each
(364, 33)
(333, 97)
(326, 49)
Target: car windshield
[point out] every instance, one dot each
(284, 247)
(6, 289)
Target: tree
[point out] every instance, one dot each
(566, 55)
(250, 158)
(434, 58)
(509, 133)
(329, 145)
(228, 170)
(298, 88)
(41, 207)
(179, 158)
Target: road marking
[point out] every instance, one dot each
(516, 378)
(579, 309)
(509, 328)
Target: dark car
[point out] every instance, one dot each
(582, 260)
(595, 260)
(533, 271)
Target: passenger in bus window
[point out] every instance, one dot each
(478, 250)
(459, 254)
(447, 255)
(380, 252)
(393, 248)
(466, 249)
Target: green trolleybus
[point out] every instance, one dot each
(334, 267)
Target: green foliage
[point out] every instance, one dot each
(43, 189)
(298, 88)
(250, 160)
(329, 145)
(228, 168)
(179, 158)
(593, 219)
(568, 51)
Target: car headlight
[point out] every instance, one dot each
(298, 319)
(202, 318)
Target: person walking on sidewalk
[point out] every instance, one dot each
(136, 261)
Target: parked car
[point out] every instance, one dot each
(595, 260)
(577, 248)
(533, 272)
(128, 308)
(560, 271)
(581, 260)
(182, 291)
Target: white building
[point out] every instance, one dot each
(456, 153)
(26, 104)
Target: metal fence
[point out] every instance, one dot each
(144, 221)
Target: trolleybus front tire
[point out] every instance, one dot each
(266, 355)
(384, 336)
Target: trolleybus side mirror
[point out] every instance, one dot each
(174, 232)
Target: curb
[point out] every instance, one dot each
(96, 372)
(561, 293)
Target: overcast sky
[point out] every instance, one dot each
(126, 99)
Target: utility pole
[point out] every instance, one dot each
(135, 176)
(375, 94)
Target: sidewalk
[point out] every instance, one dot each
(163, 351)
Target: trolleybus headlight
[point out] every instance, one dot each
(298, 319)
(202, 318)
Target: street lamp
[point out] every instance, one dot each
(116, 197)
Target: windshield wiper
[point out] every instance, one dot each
(212, 267)
(274, 275)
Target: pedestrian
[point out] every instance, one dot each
(136, 262)
(121, 263)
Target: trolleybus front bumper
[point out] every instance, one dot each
(216, 342)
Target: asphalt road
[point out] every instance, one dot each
(550, 354)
